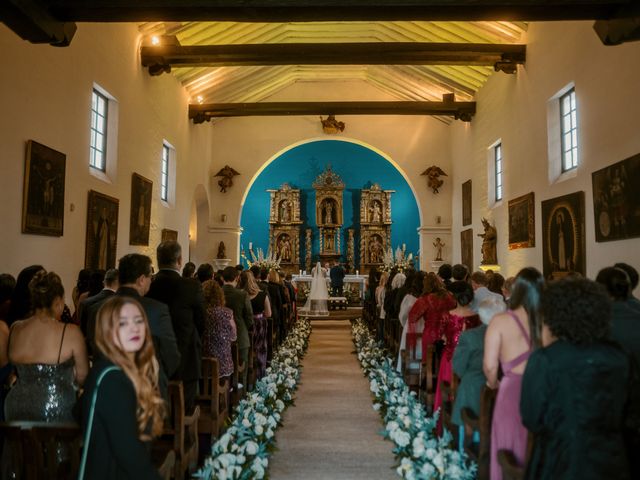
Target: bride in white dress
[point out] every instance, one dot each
(318, 298)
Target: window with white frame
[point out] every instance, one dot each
(164, 175)
(569, 130)
(497, 162)
(98, 142)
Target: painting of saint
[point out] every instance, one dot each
(522, 222)
(563, 231)
(140, 219)
(102, 231)
(43, 196)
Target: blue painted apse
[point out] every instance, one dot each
(358, 166)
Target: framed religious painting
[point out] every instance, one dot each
(169, 235)
(43, 191)
(522, 226)
(140, 218)
(616, 200)
(563, 246)
(466, 248)
(466, 203)
(102, 231)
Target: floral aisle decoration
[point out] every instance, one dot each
(268, 261)
(399, 260)
(242, 452)
(422, 455)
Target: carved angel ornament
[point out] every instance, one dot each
(227, 173)
(433, 181)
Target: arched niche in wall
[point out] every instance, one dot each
(359, 165)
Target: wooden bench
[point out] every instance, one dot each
(212, 399)
(237, 389)
(430, 367)
(448, 394)
(412, 365)
(480, 452)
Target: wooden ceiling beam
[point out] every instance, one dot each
(503, 57)
(31, 21)
(332, 10)
(459, 110)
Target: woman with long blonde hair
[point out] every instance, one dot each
(121, 406)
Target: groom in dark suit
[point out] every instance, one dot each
(185, 300)
(337, 279)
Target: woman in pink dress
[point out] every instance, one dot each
(434, 303)
(454, 323)
(509, 340)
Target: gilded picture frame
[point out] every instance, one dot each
(140, 218)
(169, 235)
(563, 229)
(43, 190)
(522, 225)
(102, 231)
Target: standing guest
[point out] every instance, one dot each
(219, 328)
(509, 340)
(390, 312)
(239, 268)
(460, 272)
(128, 409)
(506, 289)
(434, 303)
(479, 282)
(238, 301)
(84, 307)
(575, 390)
(261, 311)
(189, 270)
(255, 270)
(7, 284)
(415, 290)
(288, 284)
(381, 290)
(625, 316)
(454, 322)
(134, 278)
(20, 307)
(205, 272)
(50, 357)
(276, 296)
(496, 284)
(82, 286)
(633, 279)
(445, 272)
(184, 298)
(467, 364)
(337, 274)
(410, 274)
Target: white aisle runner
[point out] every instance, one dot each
(331, 432)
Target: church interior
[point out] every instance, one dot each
(497, 135)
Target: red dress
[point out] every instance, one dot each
(433, 308)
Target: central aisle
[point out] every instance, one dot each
(332, 431)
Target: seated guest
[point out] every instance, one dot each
(415, 290)
(50, 357)
(205, 272)
(219, 328)
(508, 342)
(261, 311)
(128, 409)
(20, 307)
(467, 363)
(454, 322)
(575, 389)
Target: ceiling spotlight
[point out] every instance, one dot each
(155, 40)
(200, 99)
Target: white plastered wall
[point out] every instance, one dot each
(514, 109)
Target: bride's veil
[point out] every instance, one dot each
(318, 298)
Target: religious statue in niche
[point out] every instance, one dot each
(222, 250)
(376, 253)
(227, 173)
(375, 212)
(284, 248)
(433, 181)
(285, 211)
(439, 245)
(329, 244)
(327, 211)
(489, 239)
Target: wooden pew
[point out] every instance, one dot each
(237, 392)
(430, 367)
(12, 434)
(412, 365)
(481, 452)
(448, 393)
(212, 400)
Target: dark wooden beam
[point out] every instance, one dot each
(32, 22)
(615, 32)
(459, 110)
(500, 56)
(332, 10)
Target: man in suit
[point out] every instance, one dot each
(336, 274)
(134, 276)
(238, 301)
(110, 286)
(185, 300)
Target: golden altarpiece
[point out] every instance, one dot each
(329, 189)
(375, 226)
(284, 226)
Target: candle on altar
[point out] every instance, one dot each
(300, 272)
(357, 272)
(250, 245)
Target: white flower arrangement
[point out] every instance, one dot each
(421, 453)
(269, 261)
(399, 260)
(242, 452)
